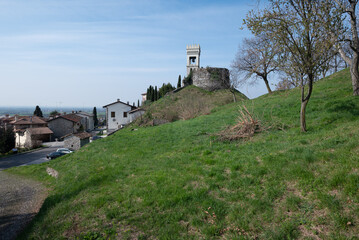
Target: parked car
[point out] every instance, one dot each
(96, 138)
(54, 155)
(64, 150)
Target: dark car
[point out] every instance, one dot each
(54, 155)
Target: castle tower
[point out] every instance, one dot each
(193, 53)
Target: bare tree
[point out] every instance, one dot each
(255, 60)
(298, 27)
(348, 8)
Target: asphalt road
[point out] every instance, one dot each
(35, 157)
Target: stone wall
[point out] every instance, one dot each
(211, 78)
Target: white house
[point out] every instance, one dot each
(117, 114)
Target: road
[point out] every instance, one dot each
(35, 157)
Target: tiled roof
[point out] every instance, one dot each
(118, 101)
(136, 110)
(71, 117)
(28, 120)
(39, 131)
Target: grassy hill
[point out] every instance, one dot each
(186, 104)
(177, 181)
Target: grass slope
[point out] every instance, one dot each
(175, 181)
(188, 103)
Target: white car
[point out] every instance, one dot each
(64, 150)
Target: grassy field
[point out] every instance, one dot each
(177, 181)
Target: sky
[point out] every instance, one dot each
(85, 53)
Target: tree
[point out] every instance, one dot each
(95, 119)
(188, 80)
(138, 102)
(38, 111)
(54, 113)
(256, 59)
(7, 139)
(179, 81)
(297, 26)
(342, 36)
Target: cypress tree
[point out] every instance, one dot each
(38, 111)
(95, 119)
(138, 102)
(179, 81)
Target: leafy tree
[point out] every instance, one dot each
(54, 113)
(7, 140)
(38, 111)
(179, 81)
(95, 119)
(297, 26)
(188, 80)
(256, 59)
(156, 94)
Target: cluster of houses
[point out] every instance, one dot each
(74, 129)
(32, 131)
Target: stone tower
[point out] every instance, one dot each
(193, 53)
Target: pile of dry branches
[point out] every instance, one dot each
(245, 127)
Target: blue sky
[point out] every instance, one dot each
(91, 52)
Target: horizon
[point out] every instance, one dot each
(92, 53)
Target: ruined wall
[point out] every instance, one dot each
(211, 78)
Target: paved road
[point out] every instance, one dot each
(20, 201)
(35, 157)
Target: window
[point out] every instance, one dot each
(125, 114)
(113, 114)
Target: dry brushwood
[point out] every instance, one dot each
(245, 127)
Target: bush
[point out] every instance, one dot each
(7, 140)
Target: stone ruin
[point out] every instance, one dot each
(208, 78)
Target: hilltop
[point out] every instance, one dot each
(178, 181)
(188, 103)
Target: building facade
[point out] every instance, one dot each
(117, 114)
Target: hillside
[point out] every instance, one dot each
(188, 103)
(177, 181)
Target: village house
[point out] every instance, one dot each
(87, 120)
(117, 114)
(30, 131)
(66, 124)
(76, 140)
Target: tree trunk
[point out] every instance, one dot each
(267, 84)
(354, 73)
(303, 125)
(234, 94)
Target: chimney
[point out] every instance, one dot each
(128, 103)
(118, 99)
(16, 117)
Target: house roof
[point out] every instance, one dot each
(136, 110)
(81, 135)
(85, 114)
(118, 101)
(21, 120)
(39, 131)
(71, 117)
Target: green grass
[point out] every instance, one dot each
(176, 181)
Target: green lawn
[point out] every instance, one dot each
(177, 181)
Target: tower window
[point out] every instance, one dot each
(113, 114)
(192, 60)
(125, 114)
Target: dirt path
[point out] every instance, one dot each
(20, 200)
